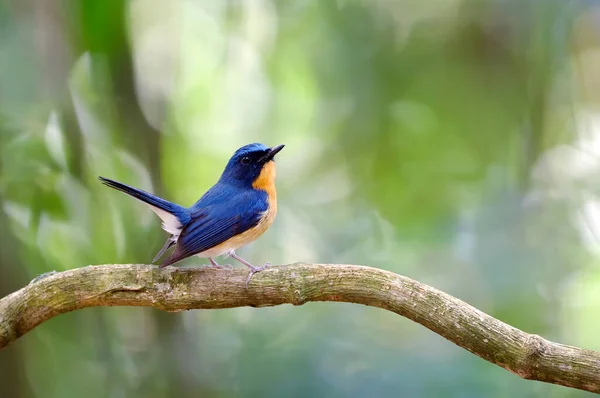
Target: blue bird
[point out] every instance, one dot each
(237, 210)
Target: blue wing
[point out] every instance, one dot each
(218, 221)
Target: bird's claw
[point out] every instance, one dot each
(254, 270)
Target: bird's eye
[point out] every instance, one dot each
(245, 160)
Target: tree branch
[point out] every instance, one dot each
(177, 289)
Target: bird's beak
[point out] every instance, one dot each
(272, 152)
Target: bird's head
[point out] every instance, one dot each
(252, 165)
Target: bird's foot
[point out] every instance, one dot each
(254, 270)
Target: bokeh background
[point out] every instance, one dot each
(453, 141)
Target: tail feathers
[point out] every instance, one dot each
(174, 217)
(172, 259)
(168, 244)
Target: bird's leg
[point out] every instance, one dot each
(253, 269)
(214, 264)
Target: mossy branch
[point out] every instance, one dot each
(177, 289)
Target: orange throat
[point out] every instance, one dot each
(266, 182)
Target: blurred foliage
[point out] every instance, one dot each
(455, 141)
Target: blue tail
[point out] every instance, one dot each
(180, 212)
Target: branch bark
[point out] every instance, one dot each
(176, 289)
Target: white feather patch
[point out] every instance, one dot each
(170, 223)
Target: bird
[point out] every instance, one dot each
(233, 213)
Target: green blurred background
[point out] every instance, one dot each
(453, 141)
